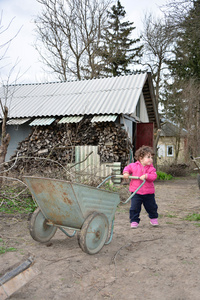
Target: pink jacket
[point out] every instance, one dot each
(137, 169)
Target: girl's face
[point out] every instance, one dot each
(147, 160)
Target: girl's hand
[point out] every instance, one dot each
(143, 177)
(126, 175)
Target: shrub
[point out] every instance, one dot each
(176, 170)
(164, 176)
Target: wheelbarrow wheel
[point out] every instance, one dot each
(39, 229)
(94, 232)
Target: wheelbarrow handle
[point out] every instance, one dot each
(131, 177)
(121, 176)
(117, 176)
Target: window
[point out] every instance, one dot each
(170, 150)
(161, 151)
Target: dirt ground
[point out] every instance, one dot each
(144, 263)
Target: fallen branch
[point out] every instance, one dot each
(82, 160)
(12, 178)
(33, 157)
(127, 245)
(57, 260)
(12, 165)
(130, 244)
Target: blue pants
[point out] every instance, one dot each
(149, 204)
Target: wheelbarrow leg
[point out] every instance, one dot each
(111, 233)
(65, 232)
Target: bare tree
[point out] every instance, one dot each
(3, 30)
(70, 32)
(176, 11)
(4, 109)
(158, 38)
(191, 104)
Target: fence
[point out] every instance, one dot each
(87, 162)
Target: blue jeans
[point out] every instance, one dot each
(149, 204)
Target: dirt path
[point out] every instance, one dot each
(144, 263)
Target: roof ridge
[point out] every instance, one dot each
(75, 80)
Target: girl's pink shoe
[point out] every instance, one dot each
(134, 225)
(154, 222)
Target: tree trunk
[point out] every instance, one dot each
(155, 144)
(5, 139)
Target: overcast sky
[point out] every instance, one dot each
(21, 49)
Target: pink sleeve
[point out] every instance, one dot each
(151, 176)
(128, 169)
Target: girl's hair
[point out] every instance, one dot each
(142, 151)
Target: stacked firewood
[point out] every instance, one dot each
(57, 143)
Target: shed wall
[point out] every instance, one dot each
(17, 134)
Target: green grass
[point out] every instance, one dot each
(4, 248)
(163, 176)
(170, 216)
(16, 200)
(110, 187)
(193, 217)
(167, 215)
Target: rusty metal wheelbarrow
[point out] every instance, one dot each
(65, 205)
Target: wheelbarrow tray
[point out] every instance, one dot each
(68, 204)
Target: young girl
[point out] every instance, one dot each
(144, 169)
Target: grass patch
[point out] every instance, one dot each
(161, 216)
(16, 200)
(110, 187)
(4, 248)
(163, 176)
(193, 217)
(170, 216)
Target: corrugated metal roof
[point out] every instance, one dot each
(17, 121)
(114, 95)
(105, 118)
(70, 120)
(42, 122)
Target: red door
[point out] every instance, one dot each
(144, 135)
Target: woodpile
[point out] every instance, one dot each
(57, 143)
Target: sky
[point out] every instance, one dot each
(21, 51)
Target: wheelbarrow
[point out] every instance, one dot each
(87, 210)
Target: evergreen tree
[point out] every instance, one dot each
(118, 52)
(186, 62)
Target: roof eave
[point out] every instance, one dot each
(153, 113)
